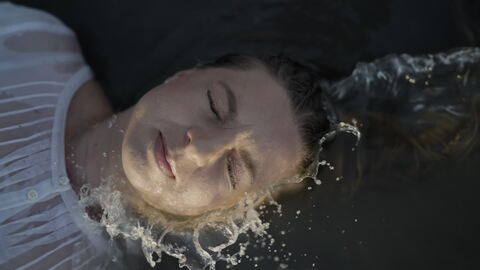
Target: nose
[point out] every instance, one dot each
(203, 145)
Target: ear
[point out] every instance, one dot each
(178, 75)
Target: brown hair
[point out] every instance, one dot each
(302, 83)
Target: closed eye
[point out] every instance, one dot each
(232, 170)
(213, 106)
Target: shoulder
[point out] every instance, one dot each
(37, 51)
(25, 30)
(12, 14)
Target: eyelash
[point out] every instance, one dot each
(231, 175)
(212, 105)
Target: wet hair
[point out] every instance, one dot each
(302, 83)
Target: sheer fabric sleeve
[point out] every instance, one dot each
(41, 67)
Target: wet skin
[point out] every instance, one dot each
(205, 137)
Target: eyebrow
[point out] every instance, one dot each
(232, 99)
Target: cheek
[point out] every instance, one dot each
(198, 198)
(202, 190)
(181, 105)
(205, 183)
(191, 200)
(136, 150)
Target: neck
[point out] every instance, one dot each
(95, 155)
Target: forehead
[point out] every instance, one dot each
(265, 115)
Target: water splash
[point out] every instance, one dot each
(197, 245)
(314, 167)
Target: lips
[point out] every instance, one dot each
(161, 155)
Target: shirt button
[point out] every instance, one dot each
(32, 195)
(63, 180)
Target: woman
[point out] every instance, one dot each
(201, 140)
(197, 143)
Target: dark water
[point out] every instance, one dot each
(397, 218)
(132, 46)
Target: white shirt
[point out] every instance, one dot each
(41, 222)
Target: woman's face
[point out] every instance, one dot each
(206, 137)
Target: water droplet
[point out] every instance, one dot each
(118, 223)
(112, 121)
(410, 79)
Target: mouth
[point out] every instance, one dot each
(162, 157)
